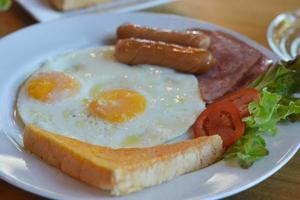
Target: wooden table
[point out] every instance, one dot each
(250, 18)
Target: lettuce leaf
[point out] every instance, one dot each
(5, 4)
(277, 102)
(265, 114)
(247, 149)
(283, 78)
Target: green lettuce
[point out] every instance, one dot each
(277, 103)
(247, 149)
(5, 4)
(264, 114)
(283, 78)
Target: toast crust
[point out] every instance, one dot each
(124, 170)
(65, 5)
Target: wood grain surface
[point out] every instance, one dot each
(249, 17)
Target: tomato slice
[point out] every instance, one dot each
(241, 99)
(223, 119)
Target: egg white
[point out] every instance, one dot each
(173, 101)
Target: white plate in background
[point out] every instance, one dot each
(23, 51)
(42, 11)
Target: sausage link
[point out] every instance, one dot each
(191, 38)
(185, 59)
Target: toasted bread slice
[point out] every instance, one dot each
(122, 170)
(65, 5)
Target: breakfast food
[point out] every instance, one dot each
(106, 123)
(90, 96)
(260, 67)
(65, 5)
(122, 171)
(221, 118)
(241, 99)
(237, 64)
(191, 38)
(183, 59)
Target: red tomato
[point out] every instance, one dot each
(241, 99)
(223, 119)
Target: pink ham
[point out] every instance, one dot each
(257, 69)
(237, 65)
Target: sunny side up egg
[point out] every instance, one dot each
(89, 96)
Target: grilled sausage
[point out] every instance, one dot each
(191, 38)
(185, 59)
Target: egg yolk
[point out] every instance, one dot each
(117, 106)
(52, 86)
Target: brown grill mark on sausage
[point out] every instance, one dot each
(184, 59)
(191, 38)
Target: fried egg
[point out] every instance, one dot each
(89, 96)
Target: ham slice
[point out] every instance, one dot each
(257, 69)
(237, 64)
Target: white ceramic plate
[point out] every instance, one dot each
(23, 52)
(42, 11)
